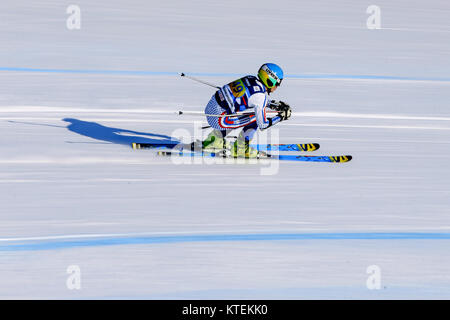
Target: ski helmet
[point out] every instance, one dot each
(271, 75)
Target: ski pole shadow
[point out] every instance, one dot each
(115, 135)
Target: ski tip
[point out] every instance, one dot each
(343, 158)
(338, 159)
(307, 147)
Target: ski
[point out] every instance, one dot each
(336, 159)
(345, 158)
(307, 147)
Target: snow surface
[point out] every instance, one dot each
(72, 191)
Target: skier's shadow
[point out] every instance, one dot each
(115, 135)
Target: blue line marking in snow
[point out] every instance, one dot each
(36, 245)
(206, 74)
(91, 71)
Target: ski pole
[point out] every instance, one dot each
(201, 81)
(199, 113)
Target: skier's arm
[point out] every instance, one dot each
(259, 102)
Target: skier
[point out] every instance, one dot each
(247, 93)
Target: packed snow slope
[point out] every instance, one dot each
(73, 192)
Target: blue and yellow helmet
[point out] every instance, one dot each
(270, 75)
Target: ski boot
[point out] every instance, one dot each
(214, 142)
(241, 149)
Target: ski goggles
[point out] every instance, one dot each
(269, 80)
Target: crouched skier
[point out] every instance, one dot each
(248, 93)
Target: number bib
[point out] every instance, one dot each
(236, 94)
(237, 88)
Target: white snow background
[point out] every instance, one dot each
(73, 192)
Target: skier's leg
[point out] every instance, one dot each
(248, 132)
(216, 138)
(241, 147)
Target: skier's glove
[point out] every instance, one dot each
(278, 105)
(285, 113)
